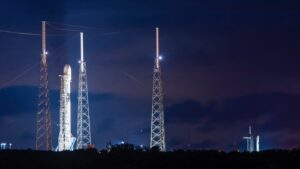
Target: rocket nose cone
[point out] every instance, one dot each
(67, 69)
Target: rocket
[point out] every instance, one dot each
(65, 139)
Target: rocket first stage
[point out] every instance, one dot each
(65, 139)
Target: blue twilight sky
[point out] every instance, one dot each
(227, 65)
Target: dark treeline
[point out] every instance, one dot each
(129, 158)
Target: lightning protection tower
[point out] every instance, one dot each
(157, 117)
(83, 117)
(43, 117)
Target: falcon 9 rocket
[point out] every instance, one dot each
(65, 139)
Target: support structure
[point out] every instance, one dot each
(65, 139)
(83, 116)
(157, 138)
(257, 144)
(43, 116)
(251, 141)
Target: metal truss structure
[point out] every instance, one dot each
(43, 116)
(157, 138)
(83, 117)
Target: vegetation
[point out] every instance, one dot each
(132, 157)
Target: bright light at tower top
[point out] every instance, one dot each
(81, 46)
(157, 47)
(160, 57)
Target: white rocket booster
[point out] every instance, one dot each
(65, 139)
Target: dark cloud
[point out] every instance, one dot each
(175, 142)
(188, 111)
(291, 142)
(279, 106)
(101, 96)
(23, 99)
(271, 114)
(106, 125)
(18, 99)
(27, 136)
(18, 106)
(145, 132)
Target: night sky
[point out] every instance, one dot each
(226, 65)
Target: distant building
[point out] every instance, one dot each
(3, 146)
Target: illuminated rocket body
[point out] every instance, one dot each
(65, 139)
